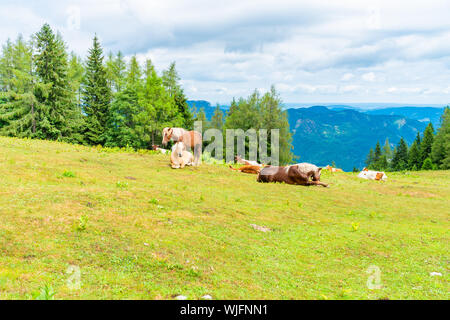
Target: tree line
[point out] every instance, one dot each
(47, 93)
(431, 151)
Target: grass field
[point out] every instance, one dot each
(137, 229)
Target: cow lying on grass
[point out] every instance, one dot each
(248, 169)
(332, 169)
(372, 175)
(240, 160)
(305, 174)
(180, 157)
(157, 148)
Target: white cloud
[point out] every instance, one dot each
(348, 76)
(341, 51)
(370, 76)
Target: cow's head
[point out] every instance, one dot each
(167, 135)
(316, 174)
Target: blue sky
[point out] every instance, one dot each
(327, 51)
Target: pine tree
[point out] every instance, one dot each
(75, 74)
(170, 80)
(217, 119)
(418, 140)
(440, 151)
(376, 157)
(264, 112)
(158, 108)
(59, 119)
(96, 97)
(400, 159)
(273, 117)
(20, 110)
(201, 116)
(124, 110)
(116, 71)
(387, 151)
(427, 142)
(427, 164)
(370, 158)
(414, 157)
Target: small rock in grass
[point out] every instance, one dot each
(130, 178)
(145, 244)
(436, 274)
(207, 297)
(180, 297)
(259, 228)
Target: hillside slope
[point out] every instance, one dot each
(423, 114)
(321, 136)
(137, 229)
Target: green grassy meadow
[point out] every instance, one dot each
(137, 229)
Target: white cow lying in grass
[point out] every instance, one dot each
(180, 157)
(372, 175)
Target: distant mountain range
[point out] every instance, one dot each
(321, 135)
(344, 134)
(422, 114)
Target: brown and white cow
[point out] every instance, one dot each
(372, 175)
(305, 174)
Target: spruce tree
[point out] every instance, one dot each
(21, 114)
(370, 158)
(427, 142)
(440, 151)
(414, 157)
(115, 72)
(170, 80)
(376, 157)
(201, 116)
(427, 164)
(400, 159)
(158, 109)
(125, 108)
(217, 118)
(59, 119)
(96, 97)
(387, 151)
(273, 117)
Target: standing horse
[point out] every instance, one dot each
(191, 139)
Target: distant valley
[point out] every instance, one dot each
(345, 134)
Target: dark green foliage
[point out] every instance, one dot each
(96, 97)
(47, 94)
(59, 119)
(440, 151)
(427, 164)
(370, 158)
(414, 157)
(427, 142)
(217, 119)
(170, 81)
(263, 112)
(400, 159)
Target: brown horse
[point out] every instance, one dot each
(304, 174)
(192, 139)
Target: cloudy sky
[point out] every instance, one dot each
(312, 51)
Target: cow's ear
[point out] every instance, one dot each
(320, 169)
